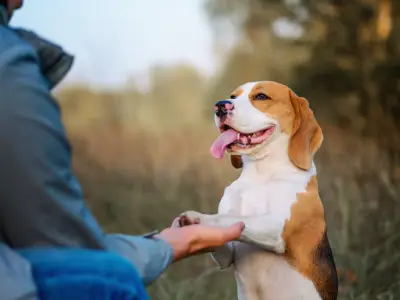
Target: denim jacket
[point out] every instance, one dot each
(41, 201)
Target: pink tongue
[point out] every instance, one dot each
(219, 146)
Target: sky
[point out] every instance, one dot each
(114, 42)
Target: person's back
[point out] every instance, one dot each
(18, 67)
(15, 271)
(30, 126)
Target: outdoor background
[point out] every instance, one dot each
(138, 107)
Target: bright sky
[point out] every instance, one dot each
(115, 40)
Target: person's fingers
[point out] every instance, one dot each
(194, 239)
(233, 232)
(207, 236)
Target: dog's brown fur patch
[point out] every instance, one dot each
(308, 248)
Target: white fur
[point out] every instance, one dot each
(262, 198)
(245, 117)
(267, 188)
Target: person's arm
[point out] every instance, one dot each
(150, 256)
(41, 202)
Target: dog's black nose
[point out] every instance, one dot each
(223, 107)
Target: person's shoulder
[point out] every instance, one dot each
(11, 44)
(8, 39)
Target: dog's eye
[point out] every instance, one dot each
(232, 97)
(261, 96)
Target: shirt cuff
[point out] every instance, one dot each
(150, 256)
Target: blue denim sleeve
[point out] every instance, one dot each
(41, 202)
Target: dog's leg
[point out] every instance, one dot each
(224, 255)
(262, 230)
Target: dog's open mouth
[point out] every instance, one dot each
(234, 140)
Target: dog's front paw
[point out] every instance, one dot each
(189, 218)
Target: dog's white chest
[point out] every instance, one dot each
(263, 275)
(274, 197)
(249, 201)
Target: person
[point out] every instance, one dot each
(50, 243)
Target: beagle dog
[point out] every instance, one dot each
(283, 252)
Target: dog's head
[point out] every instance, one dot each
(257, 114)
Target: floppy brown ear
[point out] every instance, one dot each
(306, 136)
(236, 161)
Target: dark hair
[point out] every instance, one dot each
(4, 3)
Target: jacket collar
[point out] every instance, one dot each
(54, 62)
(4, 18)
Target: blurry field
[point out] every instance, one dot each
(142, 156)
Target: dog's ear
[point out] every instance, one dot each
(236, 161)
(306, 136)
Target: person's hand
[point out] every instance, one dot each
(194, 239)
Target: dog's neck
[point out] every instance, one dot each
(272, 162)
